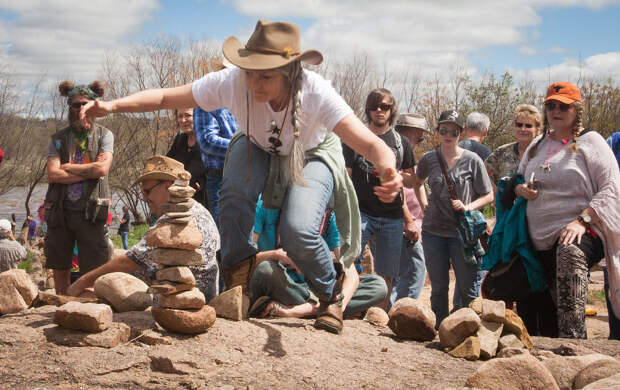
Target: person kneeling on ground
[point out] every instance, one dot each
(11, 252)
(158, 175)
(279, 287)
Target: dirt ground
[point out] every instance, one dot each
(255, 354)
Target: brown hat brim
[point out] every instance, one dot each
(155, 175)
(409, 127)
(238, 55)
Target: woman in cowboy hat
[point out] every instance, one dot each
(287, 150)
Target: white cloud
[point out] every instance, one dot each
(64, 37)
(571, 69)
(528, 51)
(557, 50)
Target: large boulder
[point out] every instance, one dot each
(172, 257)
(173, 235)
(192, 299)
(413, 321)
(565, 368)
(89, 317)
(123, 291)
(406, 301)
(17, 291)
(596, 371)
(518, 372)
(185, 321)
(514, 324)
(611, 382)
(457, 327)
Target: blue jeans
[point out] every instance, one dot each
(613, 319)
(412, 272)
(213, 185)
(271, 279)
(300, 219)
(124, 236)
(388, 234)
(439, 253)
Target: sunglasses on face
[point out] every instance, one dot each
(551, 106)
(453, 132)
(382, 106)
(78, 104)
(526, 125)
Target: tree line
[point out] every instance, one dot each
(27, 119)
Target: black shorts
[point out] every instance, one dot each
(92, 242)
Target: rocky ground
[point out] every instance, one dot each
(254, 354)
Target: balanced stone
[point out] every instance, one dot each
(489, 334)
(469, 349)
(181, 192)
(89, 317)
(514, 324)
(169, 256)
(185, 321)
(168, 235)
(123, 291)
(458, 326)
(493, 310)
(178, 215)
(191, 299)
(169, 287)
(176, 274)
(176, 207)
(177, 199)
(231, 304)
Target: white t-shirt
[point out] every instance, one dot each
(322, 108)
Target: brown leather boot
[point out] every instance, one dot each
(329, 314)
(240, 275)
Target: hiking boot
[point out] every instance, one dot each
(329, 314)
(240, 275)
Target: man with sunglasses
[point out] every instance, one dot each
(383, 220)
(158, 175)
(78, 195)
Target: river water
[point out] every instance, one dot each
(13, 202)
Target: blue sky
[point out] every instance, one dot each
(533, 39)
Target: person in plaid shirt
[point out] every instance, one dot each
(213, 131)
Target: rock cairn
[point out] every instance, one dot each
(181, 306)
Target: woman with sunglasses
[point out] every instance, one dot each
(440, 241)
(573, 210)
(505, 159)
(288, 147)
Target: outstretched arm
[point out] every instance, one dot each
(353, 132)
(120, 263)
(143, 101)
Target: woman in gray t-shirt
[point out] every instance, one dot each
(439, 228)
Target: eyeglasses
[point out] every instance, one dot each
(78, 104)
(551, 106)
(527, 125)
(382, 106)
(453, 132)
(147, 192)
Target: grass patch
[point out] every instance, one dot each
(596, 297)
(26, 265)
(135, 234)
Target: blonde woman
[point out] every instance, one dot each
(288, 150)
(573, 209)
(505, 159)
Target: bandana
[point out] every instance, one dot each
(81, 90)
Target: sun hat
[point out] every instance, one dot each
(272, 45)
(564, 92)
(5, 225)
(452, 116)
(160, 167)
(414, 121)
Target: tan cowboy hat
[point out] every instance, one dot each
(160, 167)
(272, 45)
(414, 121)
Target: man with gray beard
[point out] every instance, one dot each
(78, 195)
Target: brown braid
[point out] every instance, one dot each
(577, 125)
